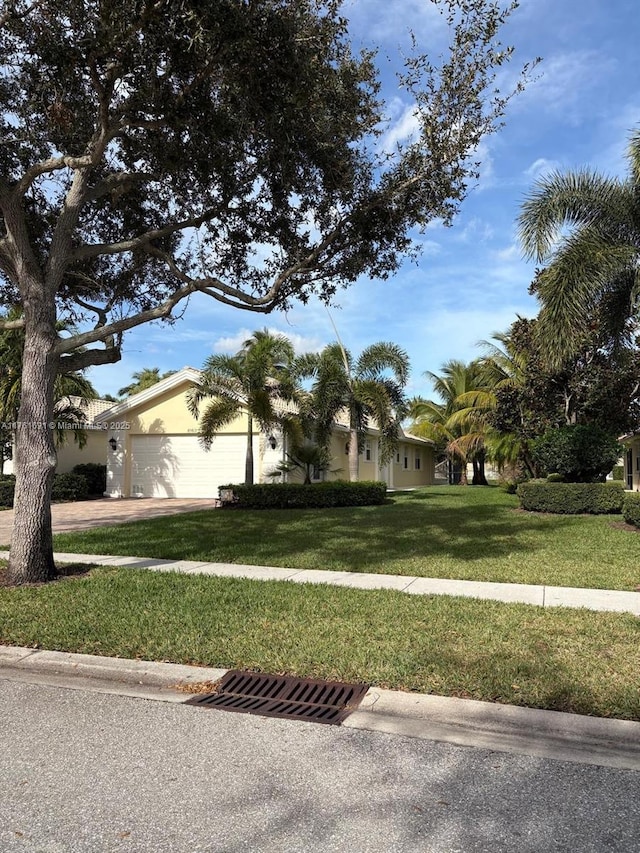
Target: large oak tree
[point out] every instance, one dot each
(152, 149)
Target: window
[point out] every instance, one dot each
(406, 460)
(367, 451)
(316, 474)
(416, 463)
(398, 457)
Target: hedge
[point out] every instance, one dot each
(95, 475)
(631, 508)
(571, 498)
(297, 495)
(69, 487)
(7, 490)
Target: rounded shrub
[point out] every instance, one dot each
(583, 453)
(631, 508)
(69, 487)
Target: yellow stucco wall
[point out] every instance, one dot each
(632, 465)
(410, 477)
(95, 450)
(170, 414)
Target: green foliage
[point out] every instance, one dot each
(580, 454)
(7, 490)
(555, 478)
(590, 274)
(69, 487)
(571, 498)
(307, 458)
(95, 475)
(631, 508)
(294, 495)
(143, 379)
(254, 380)
(618, 472)
(370, 389)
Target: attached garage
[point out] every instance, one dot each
(177, 466)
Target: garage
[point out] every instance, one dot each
(177, 466)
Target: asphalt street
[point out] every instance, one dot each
(82, 771)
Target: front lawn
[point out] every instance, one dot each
(447, 531)
(567, 660)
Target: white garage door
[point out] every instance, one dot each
(177, 466)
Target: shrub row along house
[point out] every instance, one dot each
(152, 448)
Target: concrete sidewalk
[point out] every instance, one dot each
(542, 596)
(464, 722)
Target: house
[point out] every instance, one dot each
(154, 449)
(631, 459)
(69, 453)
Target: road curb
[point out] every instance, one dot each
(464, 722)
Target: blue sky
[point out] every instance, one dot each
(471, 279)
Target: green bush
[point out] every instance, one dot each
(618, 472)
(571, 498)
(580, 454)
(555, 478)
(95, 475)
(631, 508)
(297, 495)
(7, 490)
(69, 487)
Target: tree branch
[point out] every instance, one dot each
(8, 325)
(94, 250)
(89, 358)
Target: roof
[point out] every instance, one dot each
(92, 408)
(191, 375)
(187, 374)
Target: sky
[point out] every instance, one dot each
(471, 279)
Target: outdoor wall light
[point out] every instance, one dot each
(272, 442)
(113, 444)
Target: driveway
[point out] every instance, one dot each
(81, 515)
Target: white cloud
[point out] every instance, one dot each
(404, 129)
(562, 82)
(541, 167)
(301, 343)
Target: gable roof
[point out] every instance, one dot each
(187, 374)
(191, 375)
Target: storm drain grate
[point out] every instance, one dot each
(283, 696)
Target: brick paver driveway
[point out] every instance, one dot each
(82, 515)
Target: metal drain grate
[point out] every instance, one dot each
(283, 696)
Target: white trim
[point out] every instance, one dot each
(187, 374)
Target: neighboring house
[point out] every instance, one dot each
(154, 449)
(69, 453)
(631, 460)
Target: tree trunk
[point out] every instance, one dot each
(248, 467)
(479, 476)
(31, 555)
(464, 481)
(354, 460)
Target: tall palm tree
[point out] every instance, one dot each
(458, 422)
(369, 390)
(596, 262)
(252, 381)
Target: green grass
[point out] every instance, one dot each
(453, 532)
(568, 660)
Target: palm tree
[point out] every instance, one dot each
(143, 379)
(458, 423)
(252, 381)
(594, 265)
(369, 390)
